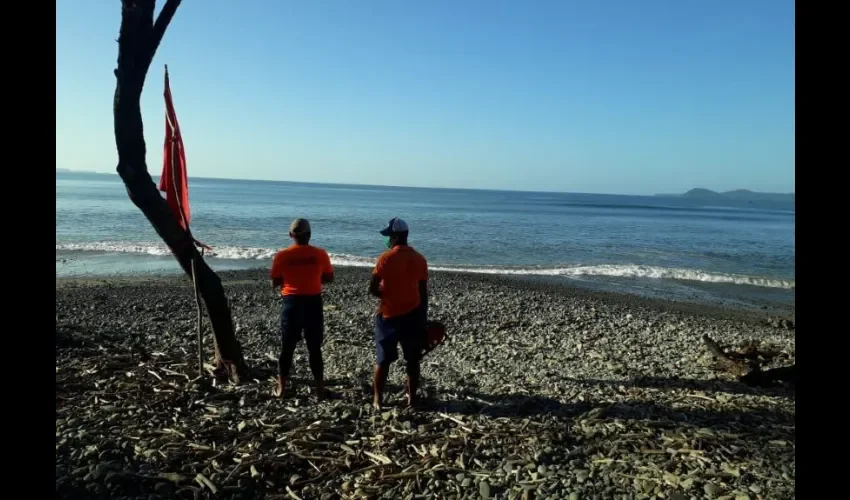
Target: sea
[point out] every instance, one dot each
(666, 246)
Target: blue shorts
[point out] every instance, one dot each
(407, 330)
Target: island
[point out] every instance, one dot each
(738, 197)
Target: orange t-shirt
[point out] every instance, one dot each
(301, 268)
(400, 269)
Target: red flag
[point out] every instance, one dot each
(174, 180)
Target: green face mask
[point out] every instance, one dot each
(389, 242)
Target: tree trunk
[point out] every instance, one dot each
(137, 43)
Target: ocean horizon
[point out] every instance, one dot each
(192, 179)
(644, 240)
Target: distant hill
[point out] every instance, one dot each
(64, 170)
(738, 197)
(702, 194)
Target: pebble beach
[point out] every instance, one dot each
(543, 390)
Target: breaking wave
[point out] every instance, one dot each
(611, 270)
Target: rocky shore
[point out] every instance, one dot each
(542, 391)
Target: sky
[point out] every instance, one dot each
(604, 96)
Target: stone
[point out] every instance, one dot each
(100, 472)
(484, 489)
(164, 489)
(676, 495)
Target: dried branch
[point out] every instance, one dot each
(162, 22)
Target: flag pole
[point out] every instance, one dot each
(200, 329)
(174, 161)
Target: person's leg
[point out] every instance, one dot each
(290, 332)
(379, 380)
(386, 351)
(411, 335)
(314, 325)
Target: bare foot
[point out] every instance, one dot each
(322, 393)
(376, 403)
(412, 400)
(278, 389)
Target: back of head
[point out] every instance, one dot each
(397, 231)
(299, 230)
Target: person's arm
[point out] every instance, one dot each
(423, 290)
(423, 299)
(276, 273)
(375, 283)
(375, 286)
(327, 269)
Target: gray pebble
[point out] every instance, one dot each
(484, 489)
(676, 495)
(164, 489)
(100, 472)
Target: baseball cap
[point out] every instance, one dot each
(299, 226)
(395, 225)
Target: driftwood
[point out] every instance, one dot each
(786, 374)
(137, 43)
(745, 365)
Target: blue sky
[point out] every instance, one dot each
(631, 97)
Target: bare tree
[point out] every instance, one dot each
(137, 43)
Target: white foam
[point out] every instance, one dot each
(612, 270)
(150, 249)
(218, 252)
(635, 271)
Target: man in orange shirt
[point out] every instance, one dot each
(300, 271)
(400, 280)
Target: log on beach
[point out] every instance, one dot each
(746, 365)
